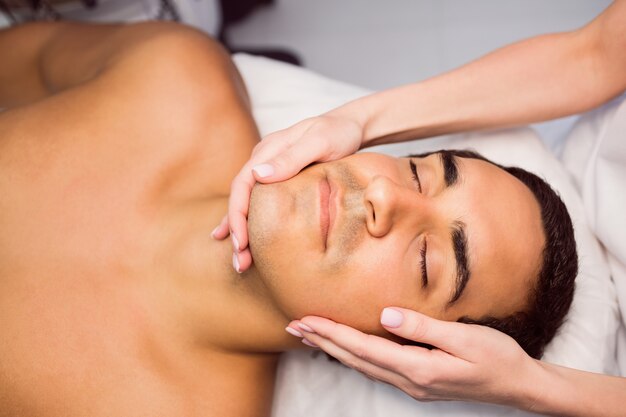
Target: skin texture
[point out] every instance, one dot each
(380, 223)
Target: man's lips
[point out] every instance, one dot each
(328, 209)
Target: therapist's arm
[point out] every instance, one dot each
(534, 80)
(469, 362)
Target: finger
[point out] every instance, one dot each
(238, 204)
(221, 231)
(349, 359)
(287, 164)
(287, 136)
(451, 337)
(240, 191)
(290, 161)
(373, 349)
(242, 260)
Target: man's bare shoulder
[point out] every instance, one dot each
(174, 105)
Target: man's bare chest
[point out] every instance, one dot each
(78, 340)
(76, 321)
(87, 252)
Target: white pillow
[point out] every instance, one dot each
(308, 383)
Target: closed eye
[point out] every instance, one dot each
(416, 177)
(423, 264)
(424, 248)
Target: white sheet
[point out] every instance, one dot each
(308, 384)
(595, 155)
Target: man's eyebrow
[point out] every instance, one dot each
(459, 243)
(450, 168)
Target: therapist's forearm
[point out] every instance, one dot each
(537, 79)
(565, 392)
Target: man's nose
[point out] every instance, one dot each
(389, 204)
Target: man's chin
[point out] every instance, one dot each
(266, 212)
(262, 217)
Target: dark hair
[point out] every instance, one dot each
(550, 299)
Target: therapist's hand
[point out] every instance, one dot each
(470, 362)
(280, 156)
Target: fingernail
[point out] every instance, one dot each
(263, 170)
(236, 263)
(306, 342)
(293, 332)
(391, 318)
(305, 328)
(214, 232)
(235, 241)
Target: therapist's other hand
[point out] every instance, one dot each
(280, 156)
(469, 362)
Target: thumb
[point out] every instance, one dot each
(289, 162)
(221, 231)
(448, 336)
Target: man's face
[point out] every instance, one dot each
(345, 239)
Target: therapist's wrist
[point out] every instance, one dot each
(544, 390)
(361, 112)
(397, 115)
(529, 388)
(379, 124)
(366, 112)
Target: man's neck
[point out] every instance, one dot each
(221, 308)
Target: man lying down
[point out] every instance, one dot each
(117, 150)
